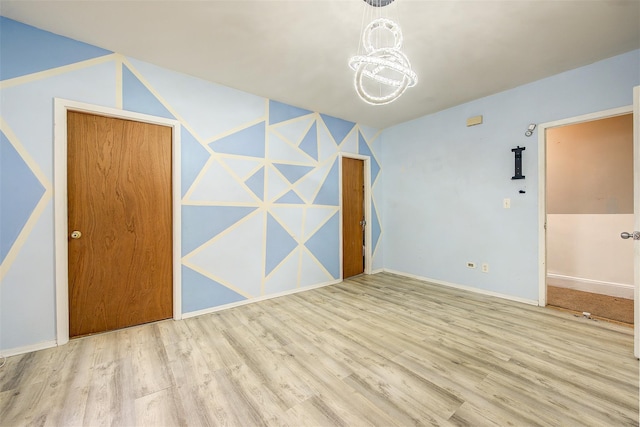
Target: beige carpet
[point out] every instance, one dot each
(602, 306)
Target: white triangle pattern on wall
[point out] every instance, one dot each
(369, 133)
(309, 185)
(277, 185)
(291, 218)
(350, 143)
(230, 258)
(327, 147)
(244, 167)
(217, 185)
(281, 151)
(197, 109)
(315, 218)
(294, 130)
(285, 276)
(314, 273)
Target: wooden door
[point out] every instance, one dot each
(120, 200)
(352, 217)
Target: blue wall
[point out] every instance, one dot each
(445, 183)
(260, 194)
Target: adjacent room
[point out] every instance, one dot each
(333, 212)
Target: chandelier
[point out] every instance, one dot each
(382, 71)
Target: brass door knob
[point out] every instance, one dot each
(76, 234)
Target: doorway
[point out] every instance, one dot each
(144, 179)
(588, 201)
(355, 202)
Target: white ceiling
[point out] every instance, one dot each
(296, 51)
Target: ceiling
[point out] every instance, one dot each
(297, 51)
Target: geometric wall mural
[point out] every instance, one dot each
(286, 168)
(20, 192)
(259, 178)
(25, 51)
(36, 66)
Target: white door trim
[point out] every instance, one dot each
(61, 106)
(542, 190)
(636, 214)
(367, 210)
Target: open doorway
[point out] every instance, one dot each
(589, 201)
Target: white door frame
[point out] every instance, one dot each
(636, 217)
(61, 107)
(367, 210)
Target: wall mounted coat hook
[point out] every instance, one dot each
(518, 162)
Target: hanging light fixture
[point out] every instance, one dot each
(382, 71)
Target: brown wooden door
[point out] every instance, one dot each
(120, 200)
(352, 215)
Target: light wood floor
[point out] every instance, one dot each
(376, 350)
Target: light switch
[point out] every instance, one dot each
(506, 203)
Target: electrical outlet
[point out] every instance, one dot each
(485, 268)
(471, 264)
(506, 203)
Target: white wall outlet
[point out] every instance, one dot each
(471, 264)
(485, 267)
(506, 203)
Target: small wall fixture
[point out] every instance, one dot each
(518, 162)
(530, 129)
(473, 121)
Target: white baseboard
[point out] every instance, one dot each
(377, 270)
(28, 348)
(620, 290)
(463, 287)
(252, 300)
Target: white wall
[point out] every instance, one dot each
(445, 182)
(585, 252)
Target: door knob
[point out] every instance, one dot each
(76, 234)
(635, 235)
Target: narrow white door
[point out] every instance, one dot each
(636, 213)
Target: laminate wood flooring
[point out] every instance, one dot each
(378, 350)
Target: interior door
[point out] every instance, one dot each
(636, 212)
(119, 222)
(353, 221)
